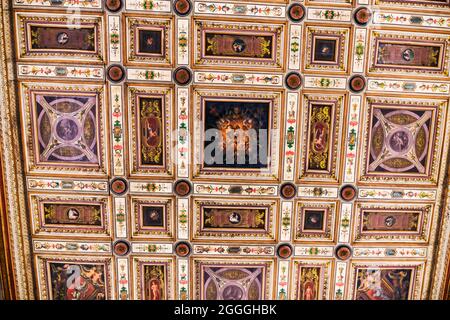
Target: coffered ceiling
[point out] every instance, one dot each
(342, 193)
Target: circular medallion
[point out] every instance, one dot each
(62, 38)
(357, 83)
(67, 129)
(389, 221)
(293, 80)
(343, 252)
(182, 76)
(408, 55)
(113, 5)
(119, 186)
(362, 16)
(284, 251)
(296, 12)
(182, 249)
(73, 214)
(121, 248)
(234, 218)
(232, 292)
(182, 7)
(238, 45)
(115, 73)
(288, 190)
(400, 141)
(348, 192)
(182, 188)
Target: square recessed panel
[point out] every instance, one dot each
(314, 221)
(310, 279)
(154, 278)
(64, 128)
(251, 115)
(152, 218)
(149, 41)
(251, 151)
(385, 281)
(241, 44)
(150, 110)
(50, 37)
(327, 49)
(240, 280)
(74, 278)
(401, 138)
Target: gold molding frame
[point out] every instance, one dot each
(15, 207)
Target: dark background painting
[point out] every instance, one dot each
(153, 220)
(154, 46)
(325, 50)
(236, 114)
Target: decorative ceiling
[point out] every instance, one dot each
(335, 186)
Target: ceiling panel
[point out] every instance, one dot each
(334, 187)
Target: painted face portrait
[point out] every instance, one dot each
(155, 290)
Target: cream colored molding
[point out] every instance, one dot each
(12, 165)
(439, 241)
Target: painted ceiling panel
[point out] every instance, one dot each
(336, 188)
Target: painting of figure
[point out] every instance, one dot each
(320, 123)
(309, 281)
(383, 283)
(154, 281)
(71, 281)
(151, 130)
(320, 138)
(241, 132)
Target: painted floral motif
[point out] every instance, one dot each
(239, 9)
(149, 5)
(61, 71)
(64, 3)
(238, 78)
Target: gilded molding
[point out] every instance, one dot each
(12, 164)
